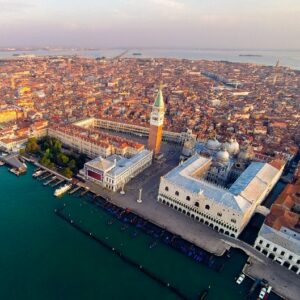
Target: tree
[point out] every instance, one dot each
(62, 159)
(72, 164)
(57, 146)
(67, 172)
(32, 145)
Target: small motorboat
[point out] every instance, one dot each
(240, 279)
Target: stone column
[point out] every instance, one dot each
(139, 200)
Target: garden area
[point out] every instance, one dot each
(51, 154)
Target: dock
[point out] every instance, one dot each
(57, 183)
(14, 171)
(84, 192)
(50, 180)
(14, 162)
(58, 175)
(46, 176)
(75, 190)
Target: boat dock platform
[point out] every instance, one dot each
(75, 190)
(57, 183)
(84, 192)
(58, 175)
(46, 176)
(14, 162)
(50, 180)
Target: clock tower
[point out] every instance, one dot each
(156, 123)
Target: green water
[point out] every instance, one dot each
(43, 257)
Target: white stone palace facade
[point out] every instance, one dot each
(186, 190)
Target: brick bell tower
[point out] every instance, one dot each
(156, 123)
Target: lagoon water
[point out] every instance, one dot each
(43, 257)
(288, 58)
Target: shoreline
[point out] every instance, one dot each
(288, 58)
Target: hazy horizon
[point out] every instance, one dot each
(164, 24)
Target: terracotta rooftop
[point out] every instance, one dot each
(283, 212)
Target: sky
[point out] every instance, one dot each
(204, 24)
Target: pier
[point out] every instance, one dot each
(84, 192)
(46, 176)
(13, 161)
(77, 188)
(58, 175)
(57, 183)
(49, 181)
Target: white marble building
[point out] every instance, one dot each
(186, 190)
(115, 171)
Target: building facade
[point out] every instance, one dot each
(92, 142)
(115, 171)
(279, 236)
(227, 210)
(170, 136)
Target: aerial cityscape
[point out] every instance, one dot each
(134, 164)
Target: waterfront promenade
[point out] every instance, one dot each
(159, 214)
(283, 281)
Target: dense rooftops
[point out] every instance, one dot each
(285, 212)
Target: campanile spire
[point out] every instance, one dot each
(156, 122)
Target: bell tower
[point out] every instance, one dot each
(156, 123)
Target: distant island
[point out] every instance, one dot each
(251, 55)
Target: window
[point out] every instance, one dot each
(275, 249)
(219, 214)
(282, 253)
(268, 245)
(260, 241)
(166, 188)
(177, 193)
(197, 204)
(291, 257)
(233, 220)
(188, 198)
(207, 207)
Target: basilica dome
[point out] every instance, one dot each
(213, 144)
(222, 156)
(232, 146)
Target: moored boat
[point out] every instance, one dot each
(37, 173)
(61, 190)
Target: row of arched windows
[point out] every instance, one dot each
(192, 215)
